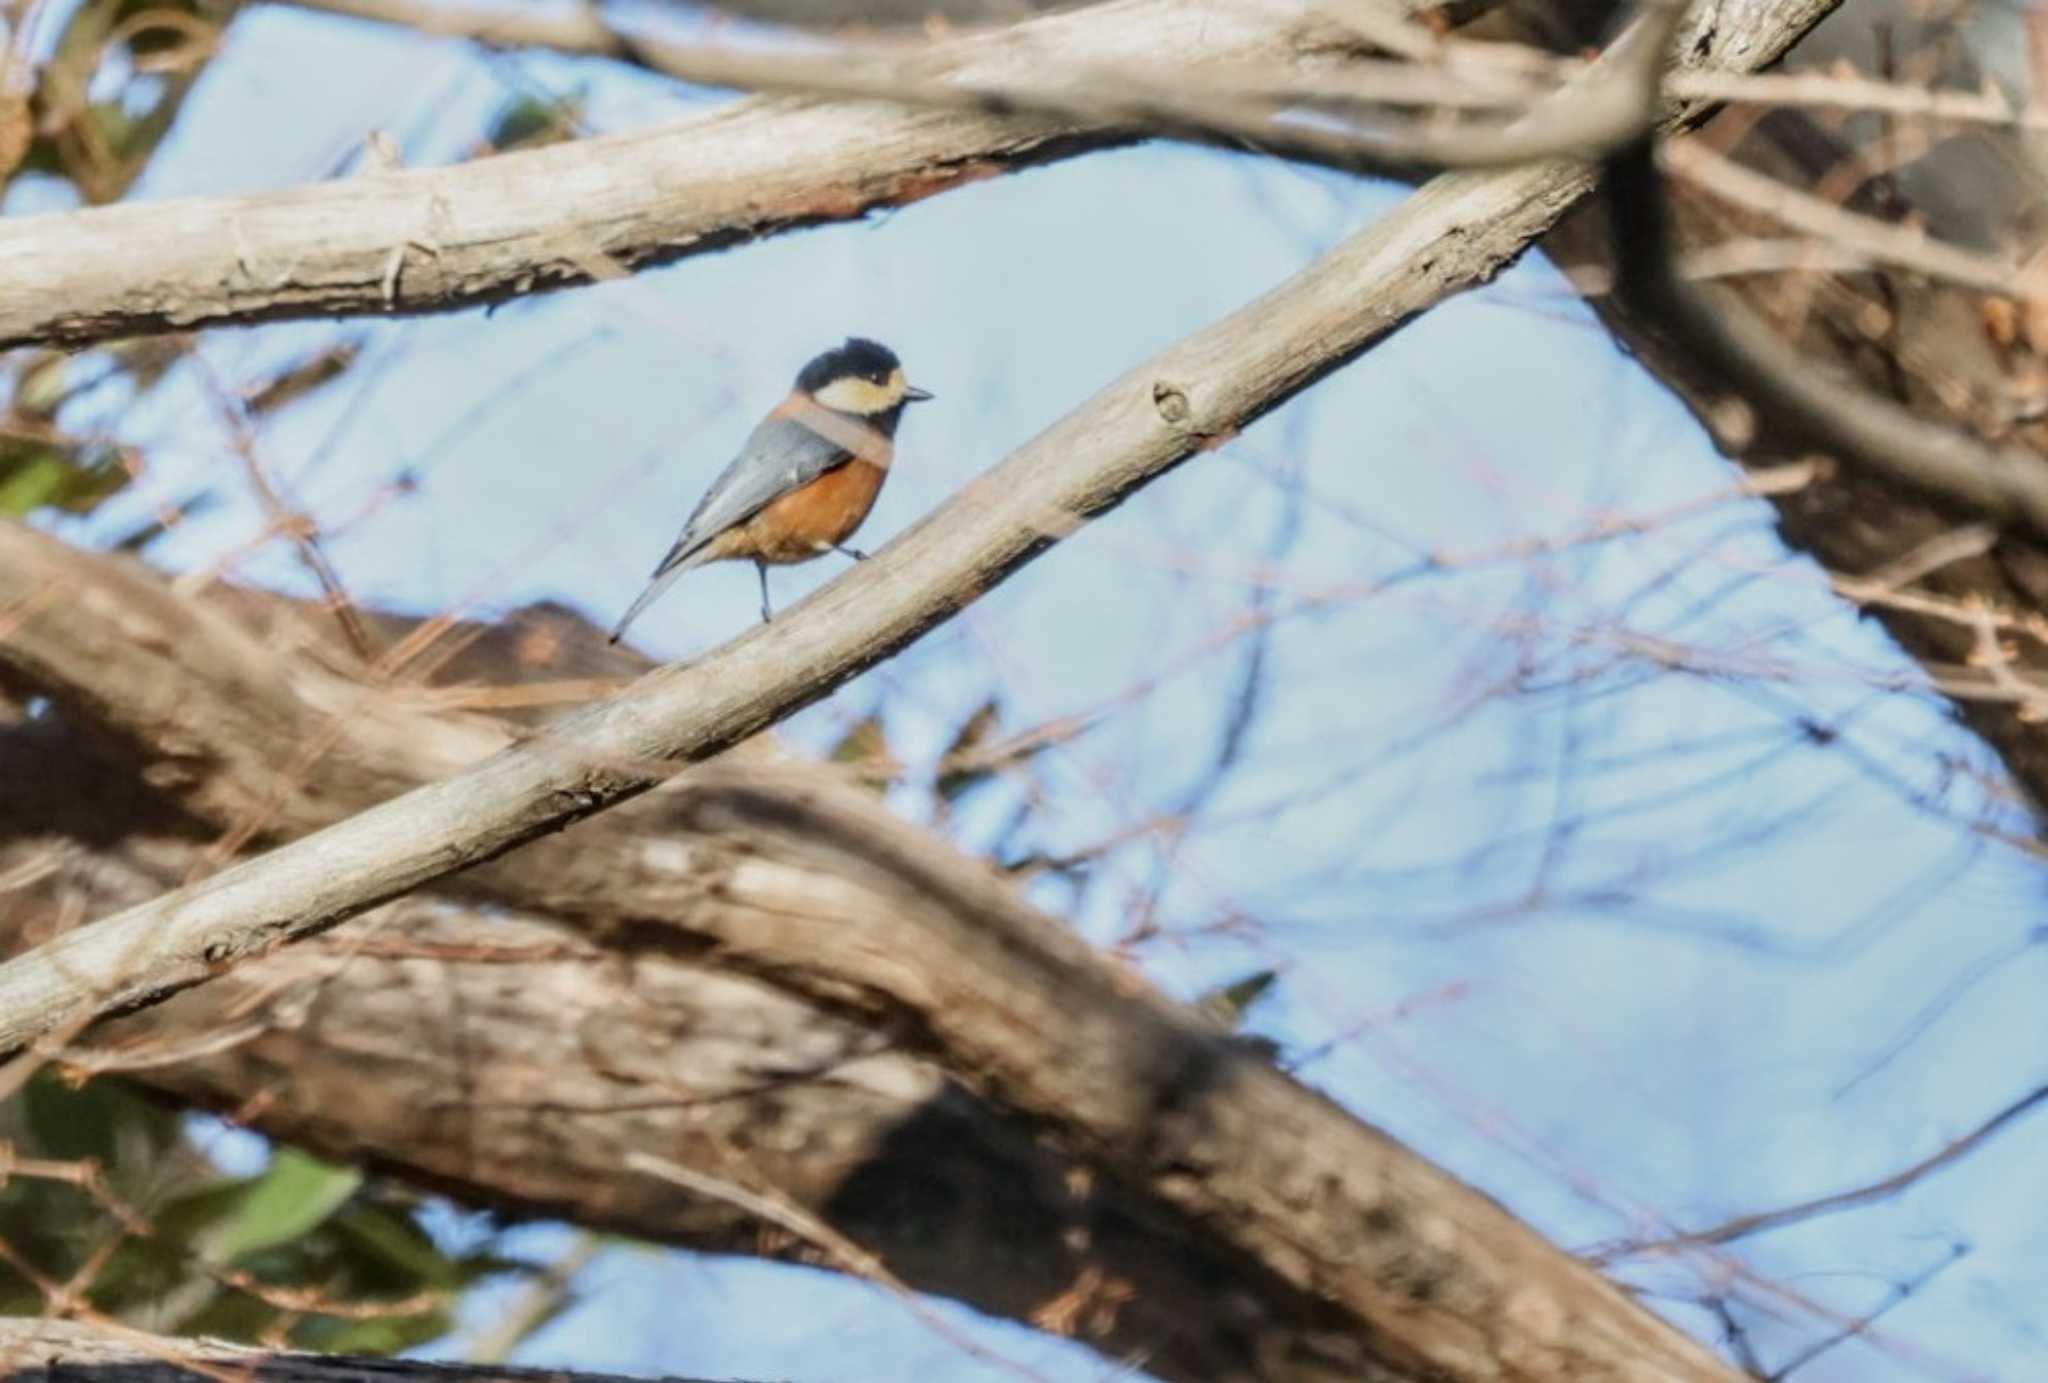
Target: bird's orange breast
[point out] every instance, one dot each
(811, 519)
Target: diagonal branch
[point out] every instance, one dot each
(1189, 399)
(398, 242)
(1446, 1283)
(1587, 117)
(435, 240)
(1443, 1282)
(398, 1043)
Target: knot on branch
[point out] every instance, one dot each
(1171, 402)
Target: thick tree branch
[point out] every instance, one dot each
(406, 1043)
(430, 240)
(400, 1041)
(1190, 399)
(1448, 1318)
(1446, 1282)
(513, 1064)
(1589, 116)
(587, 33)
(442, 239)
(40, 1351)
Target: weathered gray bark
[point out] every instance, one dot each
(35, 1351)
(393, 241)
(441, 239)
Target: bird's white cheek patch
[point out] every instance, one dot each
(854, 395)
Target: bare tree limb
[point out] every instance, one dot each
(388, 243)
(47, 1351)
(1429, 248)
(1875, 241)
(587, 32)
(408, 241)
(1742, 1226)
(1796, 401)
(398, 1042)
(1190, 399)
(1594, 110)
(1447, 1282)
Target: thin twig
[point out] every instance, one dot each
(1743, 1226)
(1795, 400)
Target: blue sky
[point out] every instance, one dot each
(1618, 942)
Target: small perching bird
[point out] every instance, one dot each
(806, 477)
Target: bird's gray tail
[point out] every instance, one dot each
(664, 577)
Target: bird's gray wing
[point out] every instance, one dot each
(797, 443)
(781, 455)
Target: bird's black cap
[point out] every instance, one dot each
(859, 357)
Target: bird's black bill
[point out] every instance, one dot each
(917, 395)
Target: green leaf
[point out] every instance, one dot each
(292, 1198)
(956, 780)
(1227, 1004)
(866, 747)
(376, 1335)
(299, 1226)
(101, 1120)
(301, 378)
(528, 120)
(39, 474)
(387, 1250)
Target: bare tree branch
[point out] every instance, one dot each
(1795, 400)
(1189, 400)
(1426, 250)
(1592, 111)
(397, 1042)
(1448, 1282)
(1742, 1226)
(438, 240)
(1874, 241)
(47, 1351)
(384, 243)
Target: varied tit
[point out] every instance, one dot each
(806, 477)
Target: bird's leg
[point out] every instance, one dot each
(855, 553)
(761, 568)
